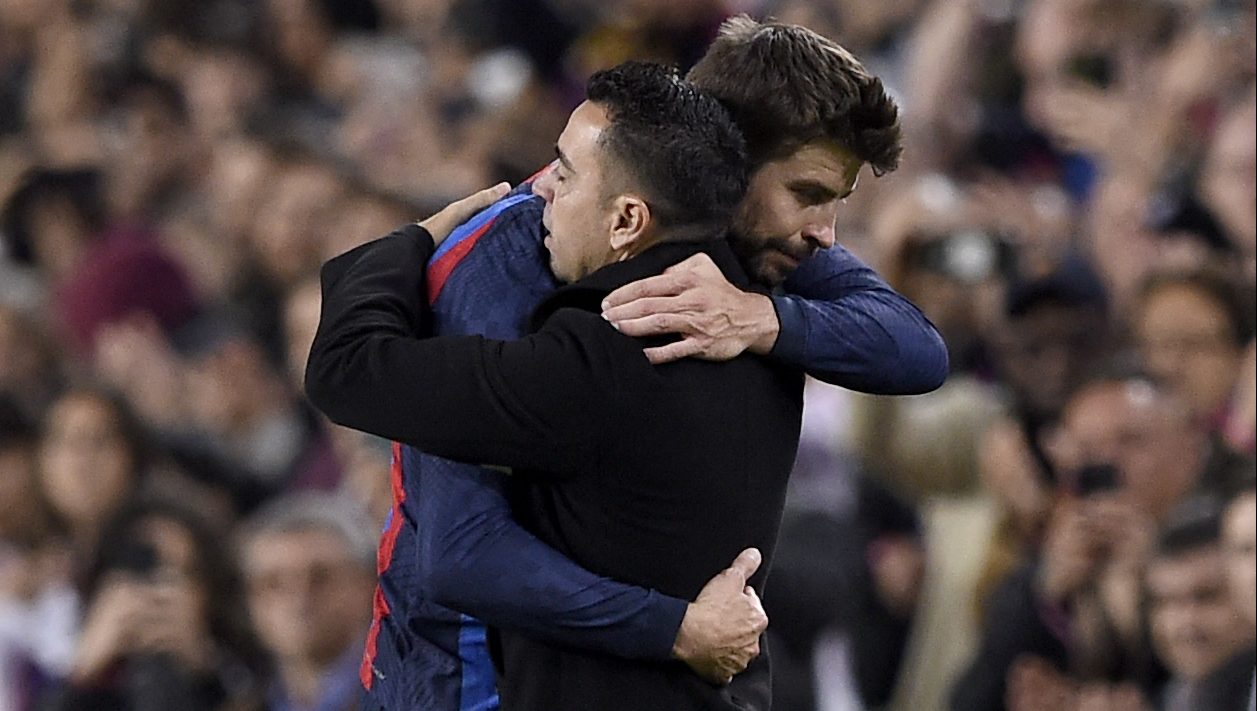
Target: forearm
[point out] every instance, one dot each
(375, 367)
(842, 324)
(480, 561)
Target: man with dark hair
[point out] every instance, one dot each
(788, 87)
(812, 116)
(1192, 615)
(653, 476)
(52, 216)
(835, 318)
(309, 555)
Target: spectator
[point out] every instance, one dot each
(1195, 624)
(1128, 454)
(1239, 537)
(255, 434)
(164, 625)
(306, 558)
(1055, 328)
(51, 219)
(1192, 329)
(91, 459)
(37, 609)
(1227, 185)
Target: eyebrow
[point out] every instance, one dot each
(816, 188)
(563, 159)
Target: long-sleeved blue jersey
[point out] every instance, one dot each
(450, 541)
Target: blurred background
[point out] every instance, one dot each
(1066, 524)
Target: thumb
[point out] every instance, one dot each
(477, 201)
(745, 565)
(456, 213)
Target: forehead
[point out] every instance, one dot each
(296, 547)
(581, 133)
(1098, 407)
(823, 162)
(1186, 572)
(1182, 309)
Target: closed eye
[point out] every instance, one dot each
(813, 194)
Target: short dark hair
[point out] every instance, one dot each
(79, 187)
(675, 143)
(1192, 525)
(788, 86)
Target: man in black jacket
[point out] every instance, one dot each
(656, 476)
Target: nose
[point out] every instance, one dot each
(819, 235)
(544, 185)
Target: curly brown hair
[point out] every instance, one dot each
(787, 86)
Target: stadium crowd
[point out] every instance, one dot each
(1068, 523)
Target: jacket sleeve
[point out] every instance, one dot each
(537, 403)
(479, 561)
(844, 325)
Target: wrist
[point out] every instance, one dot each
(683, 645)
(763, 322)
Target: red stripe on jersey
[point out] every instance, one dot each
(440, 270)
(388, 542)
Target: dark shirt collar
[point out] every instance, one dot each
(587, 294)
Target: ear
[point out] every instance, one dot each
(631, 220)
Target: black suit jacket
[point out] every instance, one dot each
(656, 476)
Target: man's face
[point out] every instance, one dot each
(790, 208)
(1193, 617)
(1185, 338)
(308, 596)
(577, 213)
(1044, 351)
(1240, 539)
(1141, 432)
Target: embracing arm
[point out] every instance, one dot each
(481, 562)
(843, 324)
(838, 321)
(532, 403)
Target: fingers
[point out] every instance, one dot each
(673, 351)
(675, 280)
(445, 220)
(481, 199)
(655, 325)
(745, 565)
(642, 307)
(661, 285)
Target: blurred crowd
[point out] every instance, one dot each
(1068, 523)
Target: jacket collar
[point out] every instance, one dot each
(587, 294)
